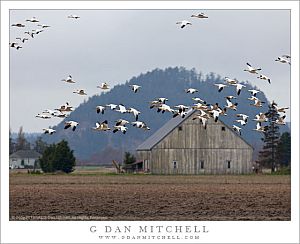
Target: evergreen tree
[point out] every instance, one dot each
(64, 159)
(58, 157)
(129, 158)
(283, 153)
(267, 157)
(46, 161)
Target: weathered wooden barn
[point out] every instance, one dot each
(183, 146)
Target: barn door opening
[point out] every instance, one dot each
(175, 167)
(146, 166)
(199, 167)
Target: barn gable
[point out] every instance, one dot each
(157, 139)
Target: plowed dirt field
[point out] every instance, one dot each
(149, 197)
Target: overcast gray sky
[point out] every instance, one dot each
(114, 45)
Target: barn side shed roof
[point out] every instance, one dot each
(167, 128)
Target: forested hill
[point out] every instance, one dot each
(101, 147)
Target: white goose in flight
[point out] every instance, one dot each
(73, 16)
(49, 131)
(241, 121)
(239, 88)
(263, 77)
(200, 16)
(37, 31)
(65, 108)
(135, 88)
(69, 79)
(230, 81)
(260, 128)
(49, 111)
(80, 92)
(203, 114)
(165, 108)
(280, 120)
(121, 122)
(257, 103)
(101, 126)
(104, 86)
(135, 113)
(220, 87)
(155, 104)
(122, 109)
(253, 92)
(261, 117)
(121, 128)
(181, 108)
(43, 116)
(280, 109)
(162, 99)
(22, 39)
(237, 129)
(231, 105)
(59, 114)
(13, 44)
(177, 112)
(30, 33)
(18, 25)
(100, 109)
(199, 106)
(140, 124)
(230, 97)
(252, 98)
(183, 23)
(191, 90)
(198, 100)
(111, 106)
(283, 60)
(44, 26)
(251, 69)
(202, 120)
(243, 116)
(215, 114)
(33, 20)
(55, 113)
(71, 124)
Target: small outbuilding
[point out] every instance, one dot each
(23, 159)
(184, 146)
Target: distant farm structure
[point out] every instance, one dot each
(184, 146)
(23, 159)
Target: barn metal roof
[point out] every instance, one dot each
(163, 131)
(25, 154)
(167, 128)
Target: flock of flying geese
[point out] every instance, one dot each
(30, 33)
(206, 111)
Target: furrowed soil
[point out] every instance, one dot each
(149, 197)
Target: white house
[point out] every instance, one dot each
(23, 158)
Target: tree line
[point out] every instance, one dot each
(276, 151)
(21, 143)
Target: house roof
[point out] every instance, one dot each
(167, 128)
(25, 154)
